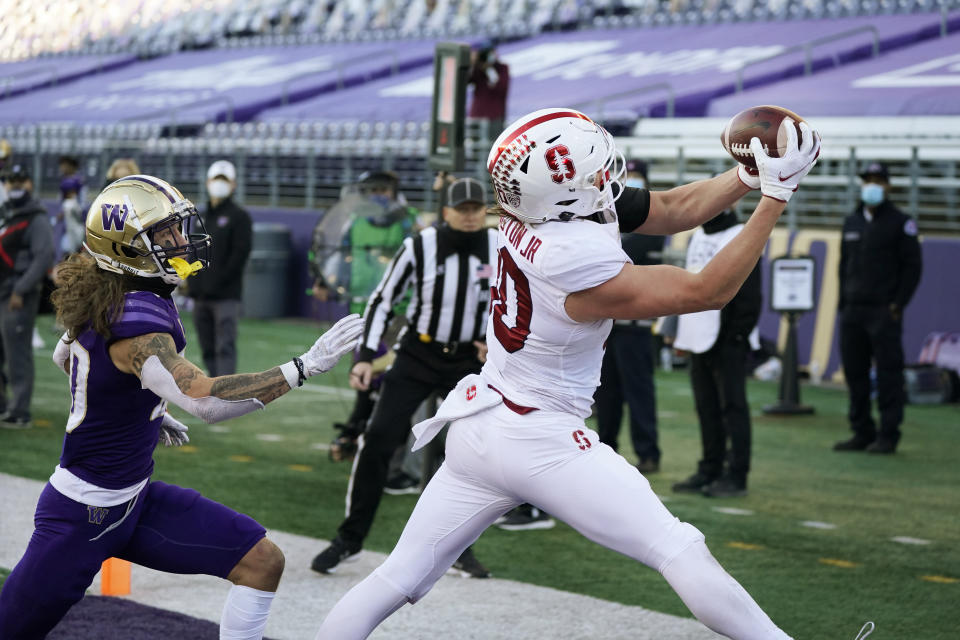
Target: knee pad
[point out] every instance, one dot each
(679, 538)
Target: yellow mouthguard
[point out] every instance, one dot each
(183, 268)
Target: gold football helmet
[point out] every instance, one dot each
(141, 225)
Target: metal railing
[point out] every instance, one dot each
(340, 69)
(26, 73)
(600, 103)
(807, 49)
(171, 114)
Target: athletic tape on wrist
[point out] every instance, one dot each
(292, 375)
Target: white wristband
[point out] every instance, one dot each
(289, 371)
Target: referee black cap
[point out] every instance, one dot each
(466, 190)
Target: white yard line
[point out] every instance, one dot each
(465, 609)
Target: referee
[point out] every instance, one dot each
(448, 267)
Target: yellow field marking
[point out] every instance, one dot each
(187, 448)
(299, 467)
(940, 579)
(241, 458)
(746, 546)
(843, 564)
(41, 423)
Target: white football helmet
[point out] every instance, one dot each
(555, 164)
(125, 217)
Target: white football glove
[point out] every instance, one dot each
(749, 177)
(341, 339)
(780, 177)
(173, 433)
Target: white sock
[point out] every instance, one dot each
(716, 598)
(245, 613)
(359, 612)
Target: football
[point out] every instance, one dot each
(765, 122)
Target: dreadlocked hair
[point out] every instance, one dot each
(86, 297)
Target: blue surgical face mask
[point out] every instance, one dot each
(638, 183)
(871, 194)
(380, 199)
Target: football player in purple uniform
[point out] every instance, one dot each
(123, 354)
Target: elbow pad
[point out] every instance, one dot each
(61, 353)
(155, 377)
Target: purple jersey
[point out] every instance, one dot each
(114, 424)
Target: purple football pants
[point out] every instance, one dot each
(168, 528)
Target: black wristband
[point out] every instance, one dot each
(301, 376)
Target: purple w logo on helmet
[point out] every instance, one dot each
(114, 216)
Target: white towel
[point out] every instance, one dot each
(470, 396)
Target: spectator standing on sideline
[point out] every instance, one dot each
(628, 361)
(449, 269)
(880, 266)
(490, 78)
(6, 155)
(26, 240)
(72, 210)
(217, 290)
(719, 342)
(121, 168)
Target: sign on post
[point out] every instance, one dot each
(791, 284)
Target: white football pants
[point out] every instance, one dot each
(496, 460)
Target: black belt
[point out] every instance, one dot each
(449, 349)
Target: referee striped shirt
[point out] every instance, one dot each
(450, 283)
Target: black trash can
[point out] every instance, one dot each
(265, 279)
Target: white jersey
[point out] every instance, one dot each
(538, 356)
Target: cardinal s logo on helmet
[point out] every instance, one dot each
(555, 164)
(141, 225)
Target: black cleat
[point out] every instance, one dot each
(468, 566)
(338, 551)
(648, 465)
(693, 484)
(401, 485)
(8, 421)
(856, 443)
(881, 445)
(725, 487)
(525, 518)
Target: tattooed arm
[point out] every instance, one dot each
(154, 359)
(129, 356)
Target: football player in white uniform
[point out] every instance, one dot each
(517, 429)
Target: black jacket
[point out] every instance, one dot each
(880, 261)
(739, 316)
(231, 237)
(26, 248)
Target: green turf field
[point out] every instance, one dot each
(815, 582)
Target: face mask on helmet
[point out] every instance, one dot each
(555, 164)
(176, 250)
